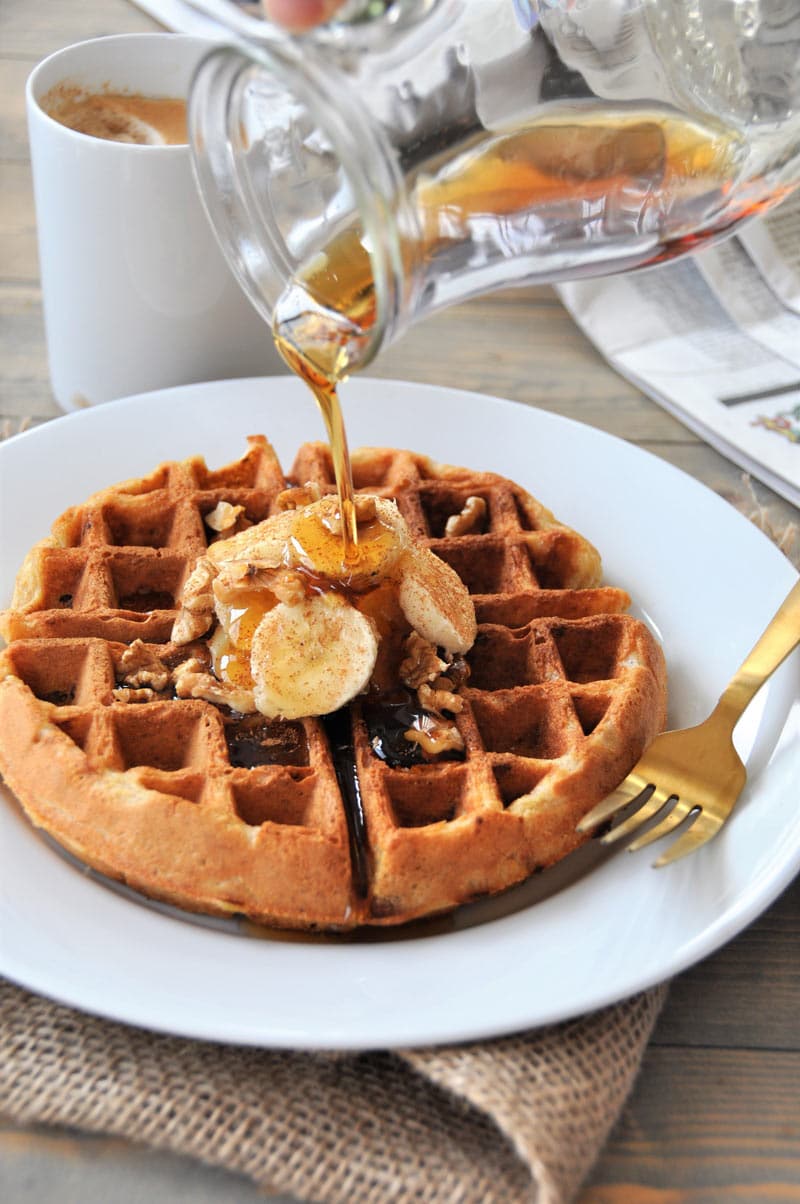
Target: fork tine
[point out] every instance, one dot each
(702, 828)
(650, 807)
(671, 820)
(624, 794)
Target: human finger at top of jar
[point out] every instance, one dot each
(297, 15)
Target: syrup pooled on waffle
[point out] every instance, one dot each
(328, 822)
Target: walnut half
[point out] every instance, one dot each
(470, 520)
(422, 663)
(197, 604)
(192, 681)
(438, 700)
(226, 518)
(140, 667)
(126, 694)
(435, 736)
(298, 496)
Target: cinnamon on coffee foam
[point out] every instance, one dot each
(119, 116)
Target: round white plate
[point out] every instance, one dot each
(587, 933)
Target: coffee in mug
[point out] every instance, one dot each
(136, 292)
(119, 116)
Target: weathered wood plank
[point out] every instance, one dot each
(13, 129)
(45, 1166)
(746, 995)
(32, 31)
(18, 255)
(24, 383)
(705, 1121)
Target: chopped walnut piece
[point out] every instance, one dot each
(225, 517)
(437, 700)
(435, 737)
(197, 604)
(139, 666)
(421, 663)
(125, 694)
(191, 681)
(288, 587)
(299, 496)
(470, 520)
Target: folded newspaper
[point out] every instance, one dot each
(715, 339)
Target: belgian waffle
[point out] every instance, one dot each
(306, 823)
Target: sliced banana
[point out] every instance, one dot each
(312, 658)
(264, 544)
(316, 541)
(435, 602)
(311, 538)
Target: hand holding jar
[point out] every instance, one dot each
(298, 15)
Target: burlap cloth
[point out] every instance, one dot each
(518, 1119)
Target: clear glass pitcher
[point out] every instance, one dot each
(423, 151)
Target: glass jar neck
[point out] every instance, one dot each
(302, 189)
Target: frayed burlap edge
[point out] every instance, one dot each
(518, 1119)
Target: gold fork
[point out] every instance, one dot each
(696, 774)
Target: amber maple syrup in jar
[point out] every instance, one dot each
(369, 174)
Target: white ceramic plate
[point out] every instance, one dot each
(589, 932)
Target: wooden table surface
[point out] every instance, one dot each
(715, 1116)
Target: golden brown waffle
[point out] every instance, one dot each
(216, 812)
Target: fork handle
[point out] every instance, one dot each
(780, 637)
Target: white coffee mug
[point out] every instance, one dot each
(136, 292)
